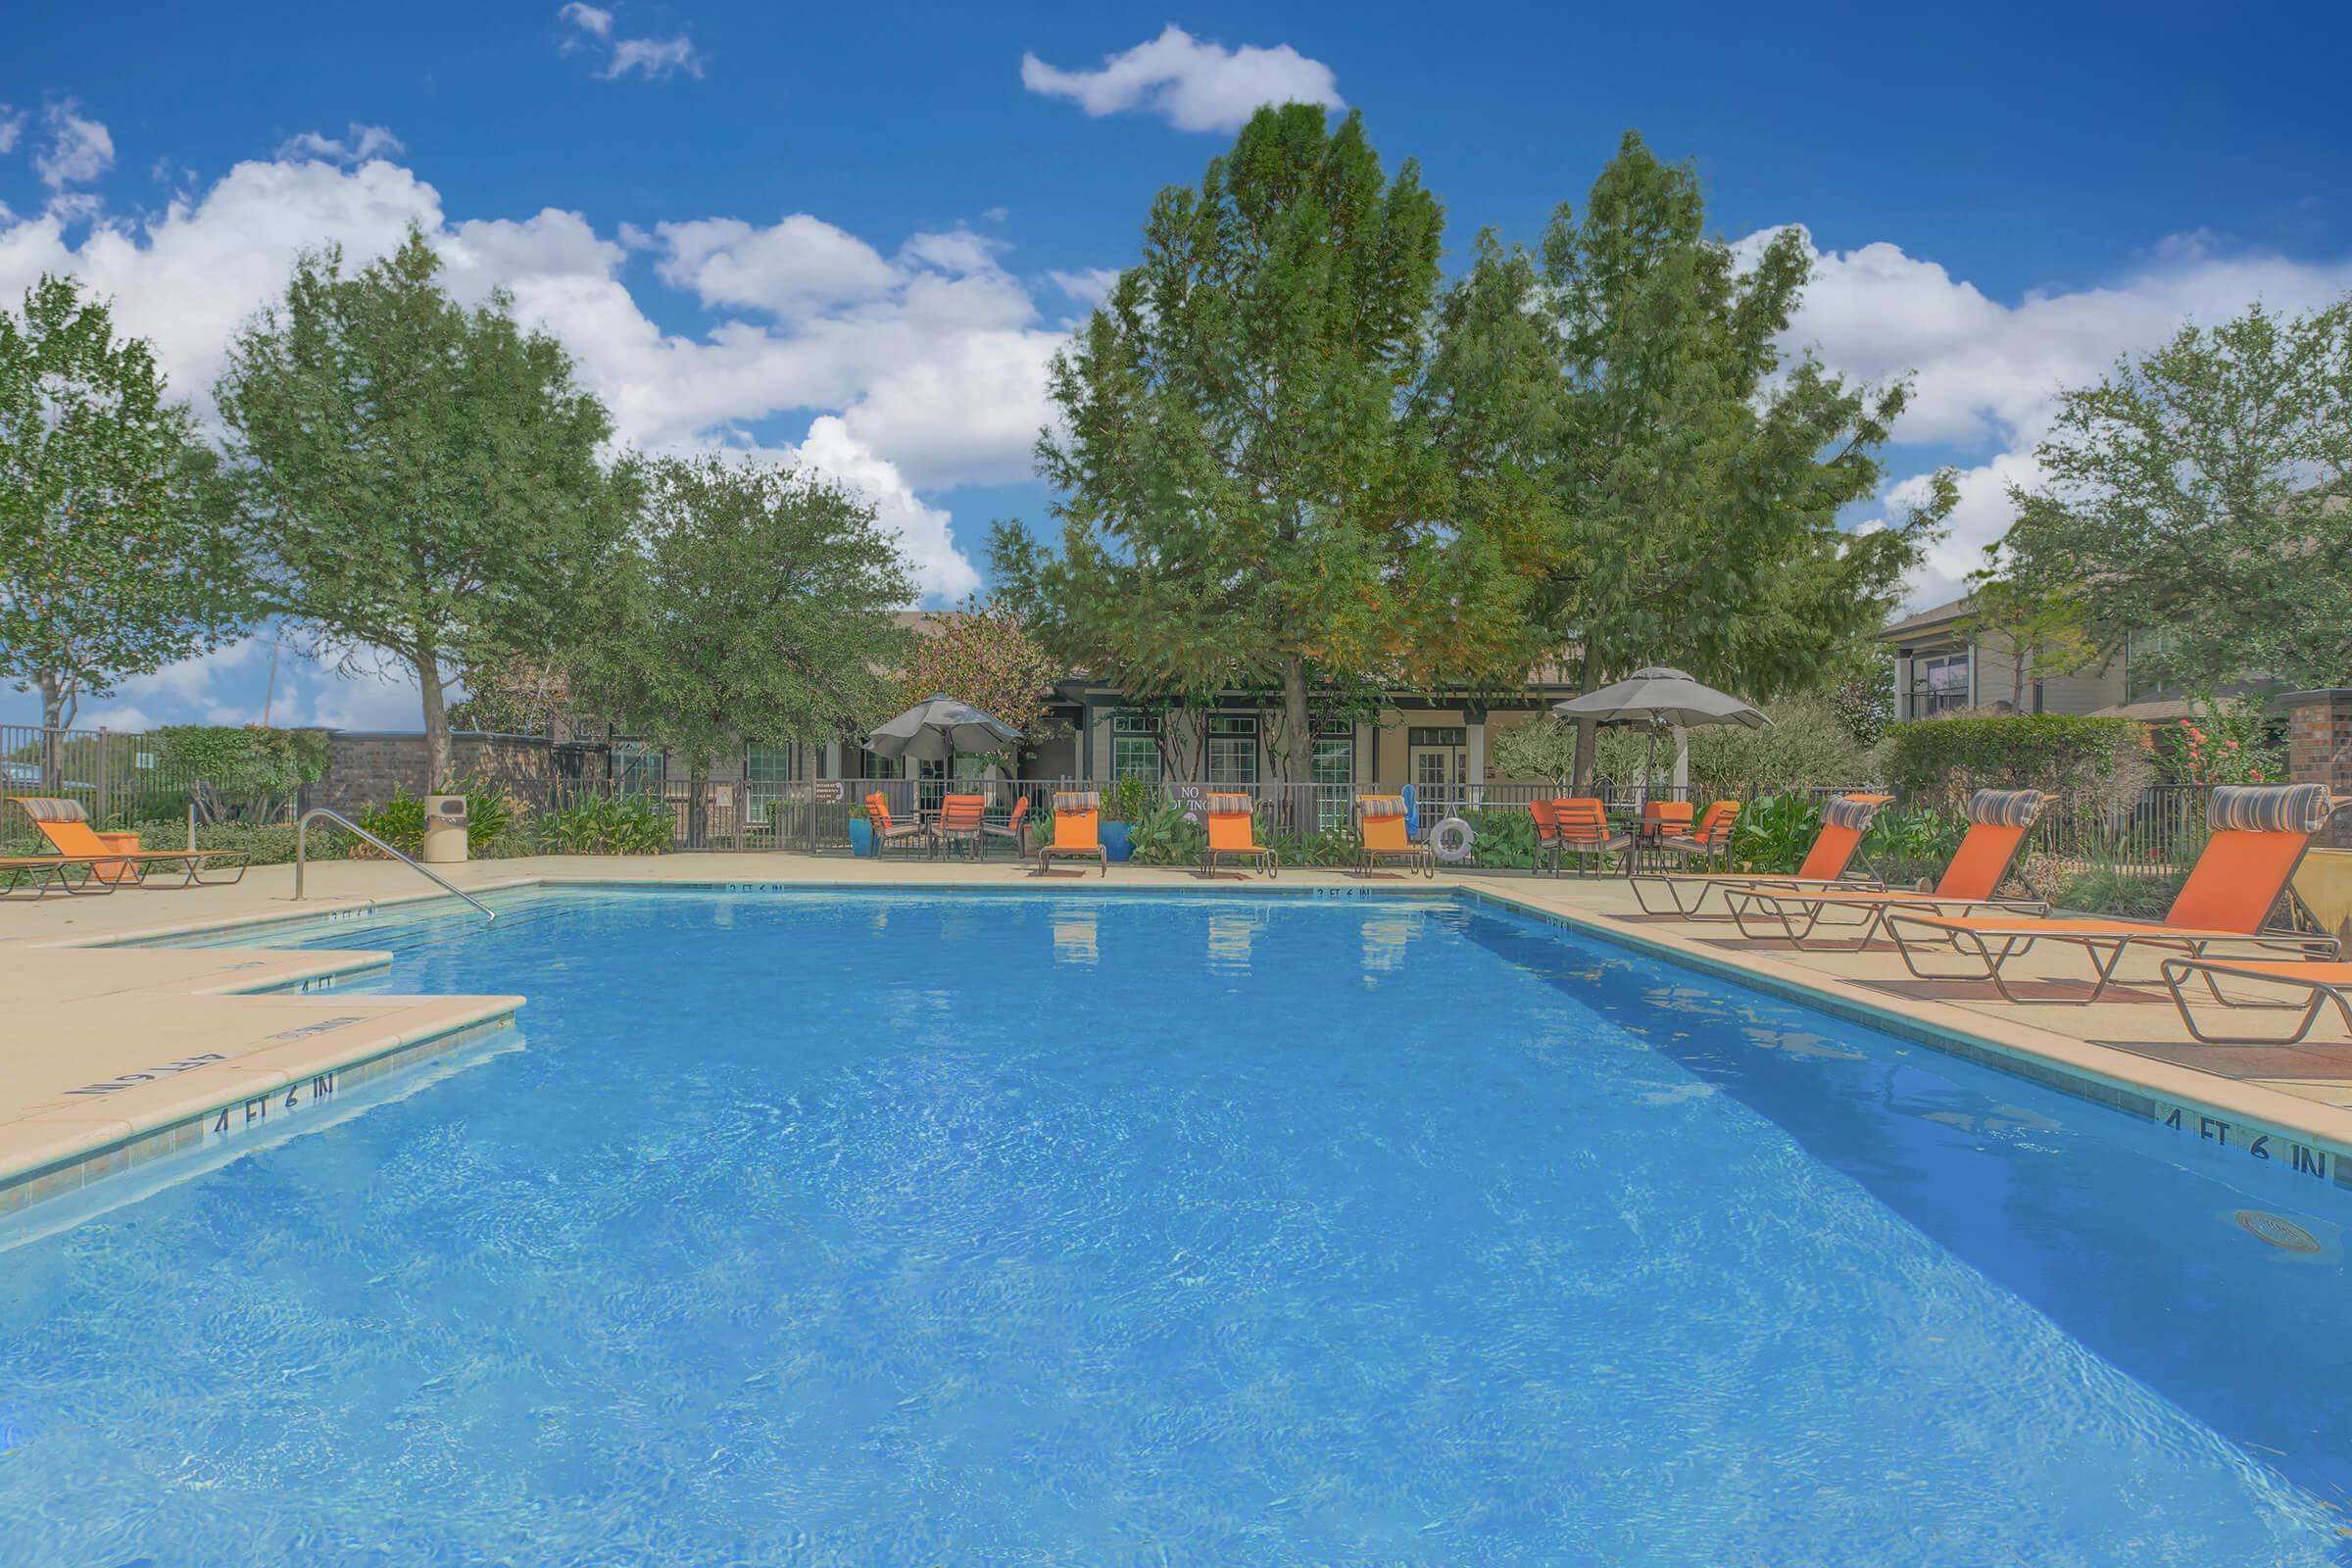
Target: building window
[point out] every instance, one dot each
(1233, 748)
(1134, 747)
(1439, 735)
(773, 764)
(1938, 685)
(2138, 647)
(1333, 774)
(636, 766)
(872, 766)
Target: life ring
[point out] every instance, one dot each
(1451, 840)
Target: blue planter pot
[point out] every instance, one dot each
(1118, 839)
(861, 838)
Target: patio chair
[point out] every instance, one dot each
(1673, 817)
(887, 834)
(1585, 832)
(2260, 832)
(1843, 821)
(1231, 837)
(1548, 834)
(1997, 823)
(2319, 983)
(1709, 841)
(1077, 831)
(67, 827)
(46, 874)
(1011, 828)
(960, 821)
(1380, 825)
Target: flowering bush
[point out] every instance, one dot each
(2229, 743)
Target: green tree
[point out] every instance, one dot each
(984, 655)
(1690, 477)
(117, 556)
(2041, 630)
(758, 607)
(422, 479)
(2202, 494)
(1248, 496)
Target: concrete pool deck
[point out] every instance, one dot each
(113, 1055)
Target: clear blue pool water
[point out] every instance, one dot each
(1024, 1230)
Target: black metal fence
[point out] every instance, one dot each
(121, 778)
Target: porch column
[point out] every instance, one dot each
(832, 761)
(1475, 760)
(1682, 763)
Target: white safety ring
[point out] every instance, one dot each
(1451, 840)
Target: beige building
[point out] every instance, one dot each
(1939, 667)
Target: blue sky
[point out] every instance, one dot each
(851, 238)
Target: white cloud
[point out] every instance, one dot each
(654, 59)
(12, 127)
(1986, 374)
(79, 149)
(802, 263)
(1088, 286)
(1194, 85)
(356, 145)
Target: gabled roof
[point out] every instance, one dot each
(1934, 618)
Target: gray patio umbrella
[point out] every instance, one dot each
(1660, 697)
(939, 726)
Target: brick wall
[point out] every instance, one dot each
(2318, 749)
(364, 769)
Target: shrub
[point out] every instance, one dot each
(1774, 833)
(494, 826)
(2062, 754)
(1914, 843)
(1164, 835)
(2097, 885)
(248, 771)
(260, 843)
(1127, 801)
(607, 824)
(2233, 741)
(1806, 744)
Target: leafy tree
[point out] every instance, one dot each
(1690, 477)
(115, 554)
(984, 655)
(2041, 630)
(1248, 496)
(249, 772)
(422, 479)
(510, 693)
(2203, 493)
(758, 607)
(1544, 748)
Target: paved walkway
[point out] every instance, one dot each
(101, 1043)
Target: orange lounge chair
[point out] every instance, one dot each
(1710, 840)
(1997, 823)
(1548, 833)
(905, 835)
(67, 827)
(960, 819)
(2320, 984)
(1230, 837)
(1380, 825)
(1843, 821)
(46, 873)
(2260, 832)
(1011, 827)
(1077, 831)
(1583, 824)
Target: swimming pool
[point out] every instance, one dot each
(911, 1228)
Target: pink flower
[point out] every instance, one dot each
(2233, 744)
(2255, 775)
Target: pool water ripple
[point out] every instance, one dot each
(910, 1229)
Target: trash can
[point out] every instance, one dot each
(444, 829)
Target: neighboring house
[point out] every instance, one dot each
(1940, 667)
(1439, 741)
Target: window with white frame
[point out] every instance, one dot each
(774, 764)
(871, 766)
(1135, 747)
(1233, 748)
(1334, 772)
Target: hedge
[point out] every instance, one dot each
(2055, 752)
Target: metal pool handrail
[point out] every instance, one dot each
(302, 834)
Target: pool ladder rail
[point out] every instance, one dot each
(302, 833)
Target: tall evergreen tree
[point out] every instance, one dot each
(1690, 477)
(1246, 495)
(423, 480)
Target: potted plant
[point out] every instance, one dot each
(1122, 809)
(861, 831)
